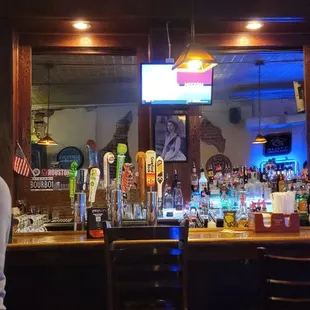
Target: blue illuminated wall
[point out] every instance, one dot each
(236, 85)
(299, 146)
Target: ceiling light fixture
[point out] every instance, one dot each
(259, 139)
(48, 140)
(254, 25)
(194, 58)
(81, 25)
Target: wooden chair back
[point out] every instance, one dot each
(285, 281)
(146, 267)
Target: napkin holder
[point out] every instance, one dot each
(278, 225)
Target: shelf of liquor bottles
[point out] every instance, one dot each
(223, 197)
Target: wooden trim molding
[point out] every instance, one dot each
(23, 124)
(307, 96)
(85, 40)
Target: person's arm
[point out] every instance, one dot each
(5, 223)
(177, 147)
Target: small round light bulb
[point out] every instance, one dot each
(81, 25)
(254, 25)
(194, 65)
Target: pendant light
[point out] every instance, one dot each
(34, 138)
(194, 58)
(48, 140)
(259, 139)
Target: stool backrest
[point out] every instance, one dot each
(285, 281)
(146, 255)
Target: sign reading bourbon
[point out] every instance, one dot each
(50, 180)
(278, 144)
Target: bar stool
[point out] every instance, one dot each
(285, 281)
(146, 267)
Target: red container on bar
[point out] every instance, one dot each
(256, 223)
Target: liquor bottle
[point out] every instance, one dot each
(210, 175)
(242, 216)
(245, 175)
(302, 201)
(194, 179)
(175, 179)
(224, 197)
(202, 181)
(168, 199)
(178, 198)
(166, 183)
(281, 186)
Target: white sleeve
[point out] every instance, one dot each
(5, 222)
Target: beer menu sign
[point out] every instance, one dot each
(278, 144)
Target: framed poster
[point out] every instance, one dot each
(278, 144)
(170, 137)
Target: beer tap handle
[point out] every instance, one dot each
(93, 184)
(108, 160)
(150, 169)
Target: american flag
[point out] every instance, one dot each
(21, 165)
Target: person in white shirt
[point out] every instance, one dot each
(5, 223)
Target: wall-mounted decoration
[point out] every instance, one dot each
(170, 137)
(120, 136)
(50, 180)
(42, 184)
(69, 154)
(212, 135)
(219, 160)
(278, 144)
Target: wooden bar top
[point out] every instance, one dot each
(218, 236)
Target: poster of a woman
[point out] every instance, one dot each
(170, 137)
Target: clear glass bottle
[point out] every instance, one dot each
(194, 179)
(178, 198)
(203, 182)
(242, 216)
(168, 199)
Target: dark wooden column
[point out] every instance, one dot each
(307, 96)
(159, 53)
(143, 112)
(8, 97)
(23, 113)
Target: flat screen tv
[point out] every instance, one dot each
(160, 85)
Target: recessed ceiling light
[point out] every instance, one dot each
(81, 25)
(254, 25)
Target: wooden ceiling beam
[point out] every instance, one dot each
(86, 41)
(153, 9)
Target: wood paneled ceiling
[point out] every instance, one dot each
(139, 16)
(153, 9)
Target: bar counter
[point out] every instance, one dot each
(221, 266)
(198, 238)
(196, 235)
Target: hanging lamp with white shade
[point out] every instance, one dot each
(194, 58)
(259, 139)
(48, 140)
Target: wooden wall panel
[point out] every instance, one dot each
(159, 54)
(8, 75)
(193, 145)
(85, 40)
(23, 125)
